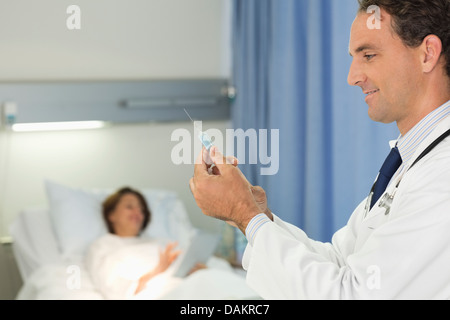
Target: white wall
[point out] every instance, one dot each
(119, 39)
(135, 155)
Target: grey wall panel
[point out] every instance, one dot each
(118, 101)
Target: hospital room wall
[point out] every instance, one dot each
(118, 40)
(138, 155)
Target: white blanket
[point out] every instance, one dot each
(111, 270)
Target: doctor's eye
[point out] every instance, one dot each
(369, 57)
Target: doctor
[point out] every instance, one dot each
(396, 245)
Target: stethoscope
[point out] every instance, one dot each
(388, 198)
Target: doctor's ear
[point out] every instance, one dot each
(431, 51)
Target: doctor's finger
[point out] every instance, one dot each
(223, 164)
(192, 186)
(207, 157)
(232, 160)
(220, 161)
(233, 224)
(200, 166)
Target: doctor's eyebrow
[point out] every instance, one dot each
(363, 48)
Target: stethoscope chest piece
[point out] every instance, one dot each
(386, 202)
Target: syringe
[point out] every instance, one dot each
(203, 136)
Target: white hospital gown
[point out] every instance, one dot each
(116, 264)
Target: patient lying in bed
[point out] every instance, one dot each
(123, 265)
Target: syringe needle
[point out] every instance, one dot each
(188, 114)
(196, 124)
(203, 136)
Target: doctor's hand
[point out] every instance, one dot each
(258, 193)
(261, 199)
(225, 193)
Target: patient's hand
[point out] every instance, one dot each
(166, 258)
(197, 267)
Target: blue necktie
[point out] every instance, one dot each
(390, 166)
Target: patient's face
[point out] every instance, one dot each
(128, 216)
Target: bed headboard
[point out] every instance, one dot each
(64, 230)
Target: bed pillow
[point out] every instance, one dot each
(77, 219)
(34, 241)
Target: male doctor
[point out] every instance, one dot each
(396, 244)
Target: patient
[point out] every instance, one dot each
(122, 264)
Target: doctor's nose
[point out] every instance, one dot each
(355, 76)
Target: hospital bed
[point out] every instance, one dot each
(49, 245)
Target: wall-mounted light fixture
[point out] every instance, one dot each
(58, 126)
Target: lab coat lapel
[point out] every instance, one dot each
(436, 133)
(374, 219)
(377, 216)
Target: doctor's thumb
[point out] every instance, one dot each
(217, 157)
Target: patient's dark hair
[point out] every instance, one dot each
(110, 204)
(414, 20)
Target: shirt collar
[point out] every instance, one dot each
(408, 143)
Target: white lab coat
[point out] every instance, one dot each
(403, 255)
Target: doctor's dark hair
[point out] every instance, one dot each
(110, 204)
(414, 20)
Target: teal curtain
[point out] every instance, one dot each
(290, 67)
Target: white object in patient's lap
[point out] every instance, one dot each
(200, 249)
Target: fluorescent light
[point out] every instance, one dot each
(57, 126)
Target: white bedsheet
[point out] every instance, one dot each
(47, 274)
(54, 282)
(207, 284)
(60, 282)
